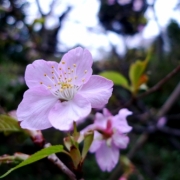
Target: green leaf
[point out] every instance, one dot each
(8, 124)
(136, 70)
(87, 143)
(75, 156)
(136, 74)
(75, 134)
(37, 156)
(39, 20)
(117, 78)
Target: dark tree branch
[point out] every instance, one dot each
(160, 83)
(39, 8)
(172, 98)
(51, 7)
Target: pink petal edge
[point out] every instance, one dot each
(107, 157)
(97, 91)
(34, 109)
(34, 73)
(63, 114)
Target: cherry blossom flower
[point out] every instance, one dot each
(110, 135)
(60, 93)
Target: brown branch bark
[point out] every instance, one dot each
(55, 160)
(38, 139)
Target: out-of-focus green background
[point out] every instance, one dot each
(22, 42)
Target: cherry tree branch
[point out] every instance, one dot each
(54, 159)
(38, 139)
(160, 83)
(170, 101)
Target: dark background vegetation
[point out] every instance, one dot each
(158, 158)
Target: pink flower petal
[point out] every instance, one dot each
(106, 112)
(97, 91)
(79, 61)
(119, 121)
(34, 109)
(120, 140)
(35, 73)
(107, 157)
(63, 114)
(97, 142)
(100, 121)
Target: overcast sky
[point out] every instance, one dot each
(81, 26)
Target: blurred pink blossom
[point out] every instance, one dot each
(109, 137)
(60, 93)
(122, 178)
(161, 122)
(111, 2)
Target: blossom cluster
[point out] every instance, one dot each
(110, 136)
(60, 93)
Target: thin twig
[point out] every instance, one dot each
(38, 139)
(51, 7)
(53, 158)
(172, 98)
(160, 83)
(39, 8)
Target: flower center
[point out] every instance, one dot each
(62, 82)
(108, 132)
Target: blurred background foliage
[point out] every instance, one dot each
(21, 43)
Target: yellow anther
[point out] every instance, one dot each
(70, 79)
(60, 69)
(69, 68)
(52, 72)
(45, 74)
(49, 87)
(74, 65)
(85, 71)
(52, 66)
(66, 85)
(83, 80)
(41, 82)
(63, 62)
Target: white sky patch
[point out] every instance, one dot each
(32, 12)
(134, 41)
(78, 27)
(117, 41)
(86, 13)
(164, 10)
(176, 15)
(72, 34)
(151, 29)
